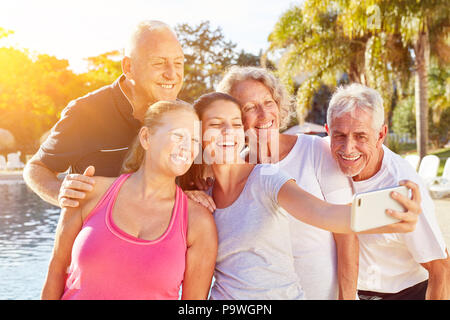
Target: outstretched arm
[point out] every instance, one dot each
(201, 253)
(311, 210)
(337, 218)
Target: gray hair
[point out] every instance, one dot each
(140, 29)
(284, 101)
(356, 96)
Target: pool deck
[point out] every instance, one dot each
(442, 205)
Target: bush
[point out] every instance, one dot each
(403, 117)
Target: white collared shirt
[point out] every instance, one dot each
(390, 263)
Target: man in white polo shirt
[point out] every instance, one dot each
(411, 266)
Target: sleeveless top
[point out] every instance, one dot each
(107, 263)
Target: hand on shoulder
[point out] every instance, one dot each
(101, 185)
(202, 198)
(75, 187)
(78, 189)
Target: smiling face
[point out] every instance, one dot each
(172, 146)
(356, 145)
(156, 66)
(259, 109)
(223, 133)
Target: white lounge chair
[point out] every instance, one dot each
(413, 159)
(2, 163)
(446, 172)
(440, 187)
(14, 162)
(428, 168)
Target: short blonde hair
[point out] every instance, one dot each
(236, 74)
(356, 96)
(154, 117)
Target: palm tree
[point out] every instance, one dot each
(423, 27)
(317, 43)
(375, 42)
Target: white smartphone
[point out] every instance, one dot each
(369, 208)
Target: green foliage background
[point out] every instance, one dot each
(321, 44)
(389, 45)
(34, 88)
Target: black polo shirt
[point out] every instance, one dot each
(96, 129)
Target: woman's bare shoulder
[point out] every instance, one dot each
(104, 182)
(101, 185)
(200, 221)
(197, 211)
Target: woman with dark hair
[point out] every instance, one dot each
(138, 236)
(254, 258)
(324, 261)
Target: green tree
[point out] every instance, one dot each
(375, 42)
(439, 102)
(319, 105)
(318, 48)
(404, 119)
(423, 27)
(102, 69)
(34, 88)
(248, 59)
(207, 55)
(33, 91)
(315, 51)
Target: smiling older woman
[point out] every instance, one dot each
(324, 262)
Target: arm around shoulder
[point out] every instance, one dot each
(42, 180)
(201, 252)
(65, 143)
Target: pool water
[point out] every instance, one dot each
(27, 231)
(27, 227)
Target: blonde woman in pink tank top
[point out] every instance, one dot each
(129, 237)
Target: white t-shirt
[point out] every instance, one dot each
(254, 259)
(311, 164)
(390, 263)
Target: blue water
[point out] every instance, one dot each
(27, 227)
(27, 231)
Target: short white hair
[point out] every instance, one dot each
(237, 74)
(141, 28)
(348, 98)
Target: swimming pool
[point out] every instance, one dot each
(27, 231)
(27, 227)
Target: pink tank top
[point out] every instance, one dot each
(109, 264)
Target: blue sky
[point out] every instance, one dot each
(77, 29)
